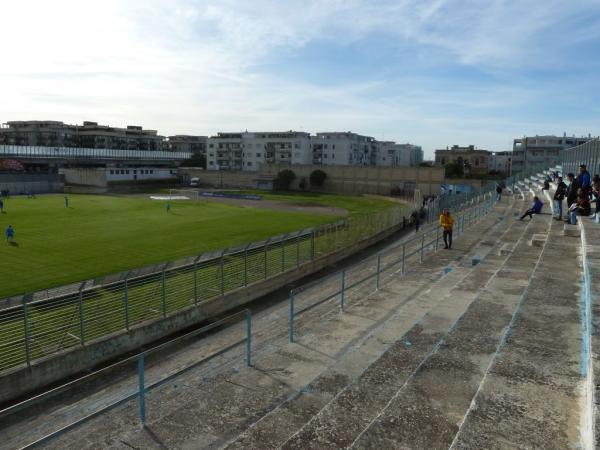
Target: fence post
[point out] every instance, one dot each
(248, 338)
(164, 293)
(342, 289)
(26, 330)
(312, 245)
(265, 253)
(422, 247)
(283, 253)
(292, 301)
(142, 389)
(81, 326)
(402, 272)
(298, 249)
(246, 265)
(196, 281)
(222, 270)
(378, 278)
(126, 300)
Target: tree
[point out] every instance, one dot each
(454, 170)
(284, 179)
(317, 178)
(302, 184)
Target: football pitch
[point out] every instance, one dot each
(99, 235)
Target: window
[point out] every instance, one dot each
(249, 163)
(127, 172)
(210, 145)
(296, 145)
(333, 146)
(333, 157)
(135, 172)
(258, 155)
(325, 146)
(151, 171)
(211, 154)
(210, 163)
(325, 156)
(112, 172)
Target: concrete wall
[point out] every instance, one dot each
(19, 381)
(85, 176)
(19, 184)
(225, 179)
(340, 179)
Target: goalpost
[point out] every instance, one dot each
(192, 194)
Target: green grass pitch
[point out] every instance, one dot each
(100, 235)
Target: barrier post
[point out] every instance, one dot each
(26, 331)
(402, 272)
(422, 247)
(249, 338)
(222, 270)
(342, 289)
(196, 281)
(312, 245)
(292, 301)
(81, 325)
(378, 272)
(283, 253)
(437, 238)
(246, 265)
(142, 389)
(126, 300)
(164, 294)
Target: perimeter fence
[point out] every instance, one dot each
(40, 327)
(36, 328)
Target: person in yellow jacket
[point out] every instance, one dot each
(447, 222)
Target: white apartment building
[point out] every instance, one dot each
(542, 151)
(245, 151)
(501, 162)
(393, 154)
(344, 149)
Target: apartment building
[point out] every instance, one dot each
(474, 161)
(49, 133)
(345, 149)
(187, 143)
(393, 154)
(501, 162)
(245, 151)
(537, 151)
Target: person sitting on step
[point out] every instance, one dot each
(536, 208)
(581, 208)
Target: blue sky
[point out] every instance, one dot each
(433, 73)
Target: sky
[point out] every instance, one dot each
(430, 72)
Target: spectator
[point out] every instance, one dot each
(584, 179)
(498, 192)
(559, 196)
(580, 208)
(546, 185)
(596, 194)
(572, 190)
(416, 220)
(536, 208)
(447, 223)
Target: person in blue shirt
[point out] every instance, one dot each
(536, 208)
(10, 233)
(584, 179)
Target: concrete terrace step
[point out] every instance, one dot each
(201, 409)
(428, 411)
(532, 394)
(350, 418)
(274, 429)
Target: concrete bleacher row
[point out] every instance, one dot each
(451, 355)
